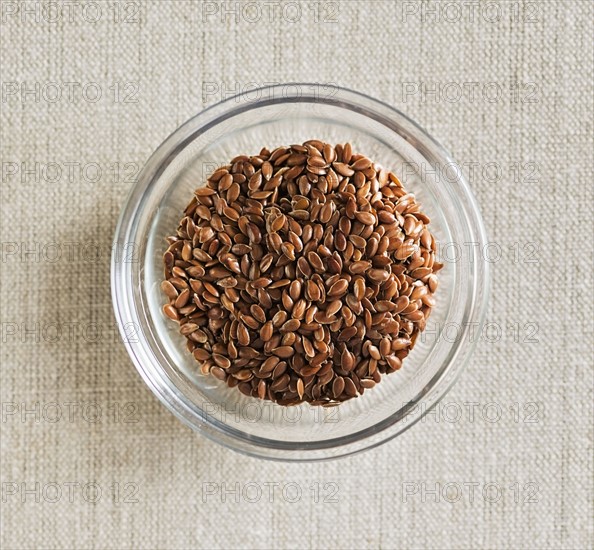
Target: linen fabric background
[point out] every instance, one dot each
(91, 459)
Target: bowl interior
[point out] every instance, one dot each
(250, 128)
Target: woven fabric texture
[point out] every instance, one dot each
(91, 459)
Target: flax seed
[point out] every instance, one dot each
(301, 274)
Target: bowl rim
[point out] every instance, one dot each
(121, 280)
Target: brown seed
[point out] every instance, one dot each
(279, 284)
(404, 251)
(359, 267)
(291, 325)
(331, 179)
(171, 312)
(255, 181)
(350, 388)
(261, 282)
(400, 304)
(287, 301)
(329, 153)
(340, 241)
(378, 275)
(338, 386)
(182, 299)
(300, 388)
(347, 360)
(284, 352)
(281, 383)
(365, 218)
(218, 373)
(296, 254)
(197, 336)
(343, 169)
(196, 271)
(308, 347)
(374, 353)
(221, 360)
(267, 170)
(288, 250)
(400, 343)
(200, 354)
(338, 288)
(243, 374)
(169, 290)
(266, 331)
(211, 298)
(269, 365)
(347, 334)
(231, 213)
(333, 307)
(201, 255)
(359, 288)
(347, 153)
(357, 241)
(432, 282)
(278, 223)
(304, 267)
(415, 316)
(385, 346)
(258, 313)
(316, 262)
(295, 290)
(326, 213)
(394, 362)
(188, 328)
(250, 322)
(312, 291)
(279, 370)
(361, 164)
(299, 309)
(279, 318)
(384, 305)
(243, 335)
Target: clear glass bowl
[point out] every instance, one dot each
(283, 115)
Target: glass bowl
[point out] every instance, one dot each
(283, 115)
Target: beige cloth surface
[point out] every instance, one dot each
(90, 459)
